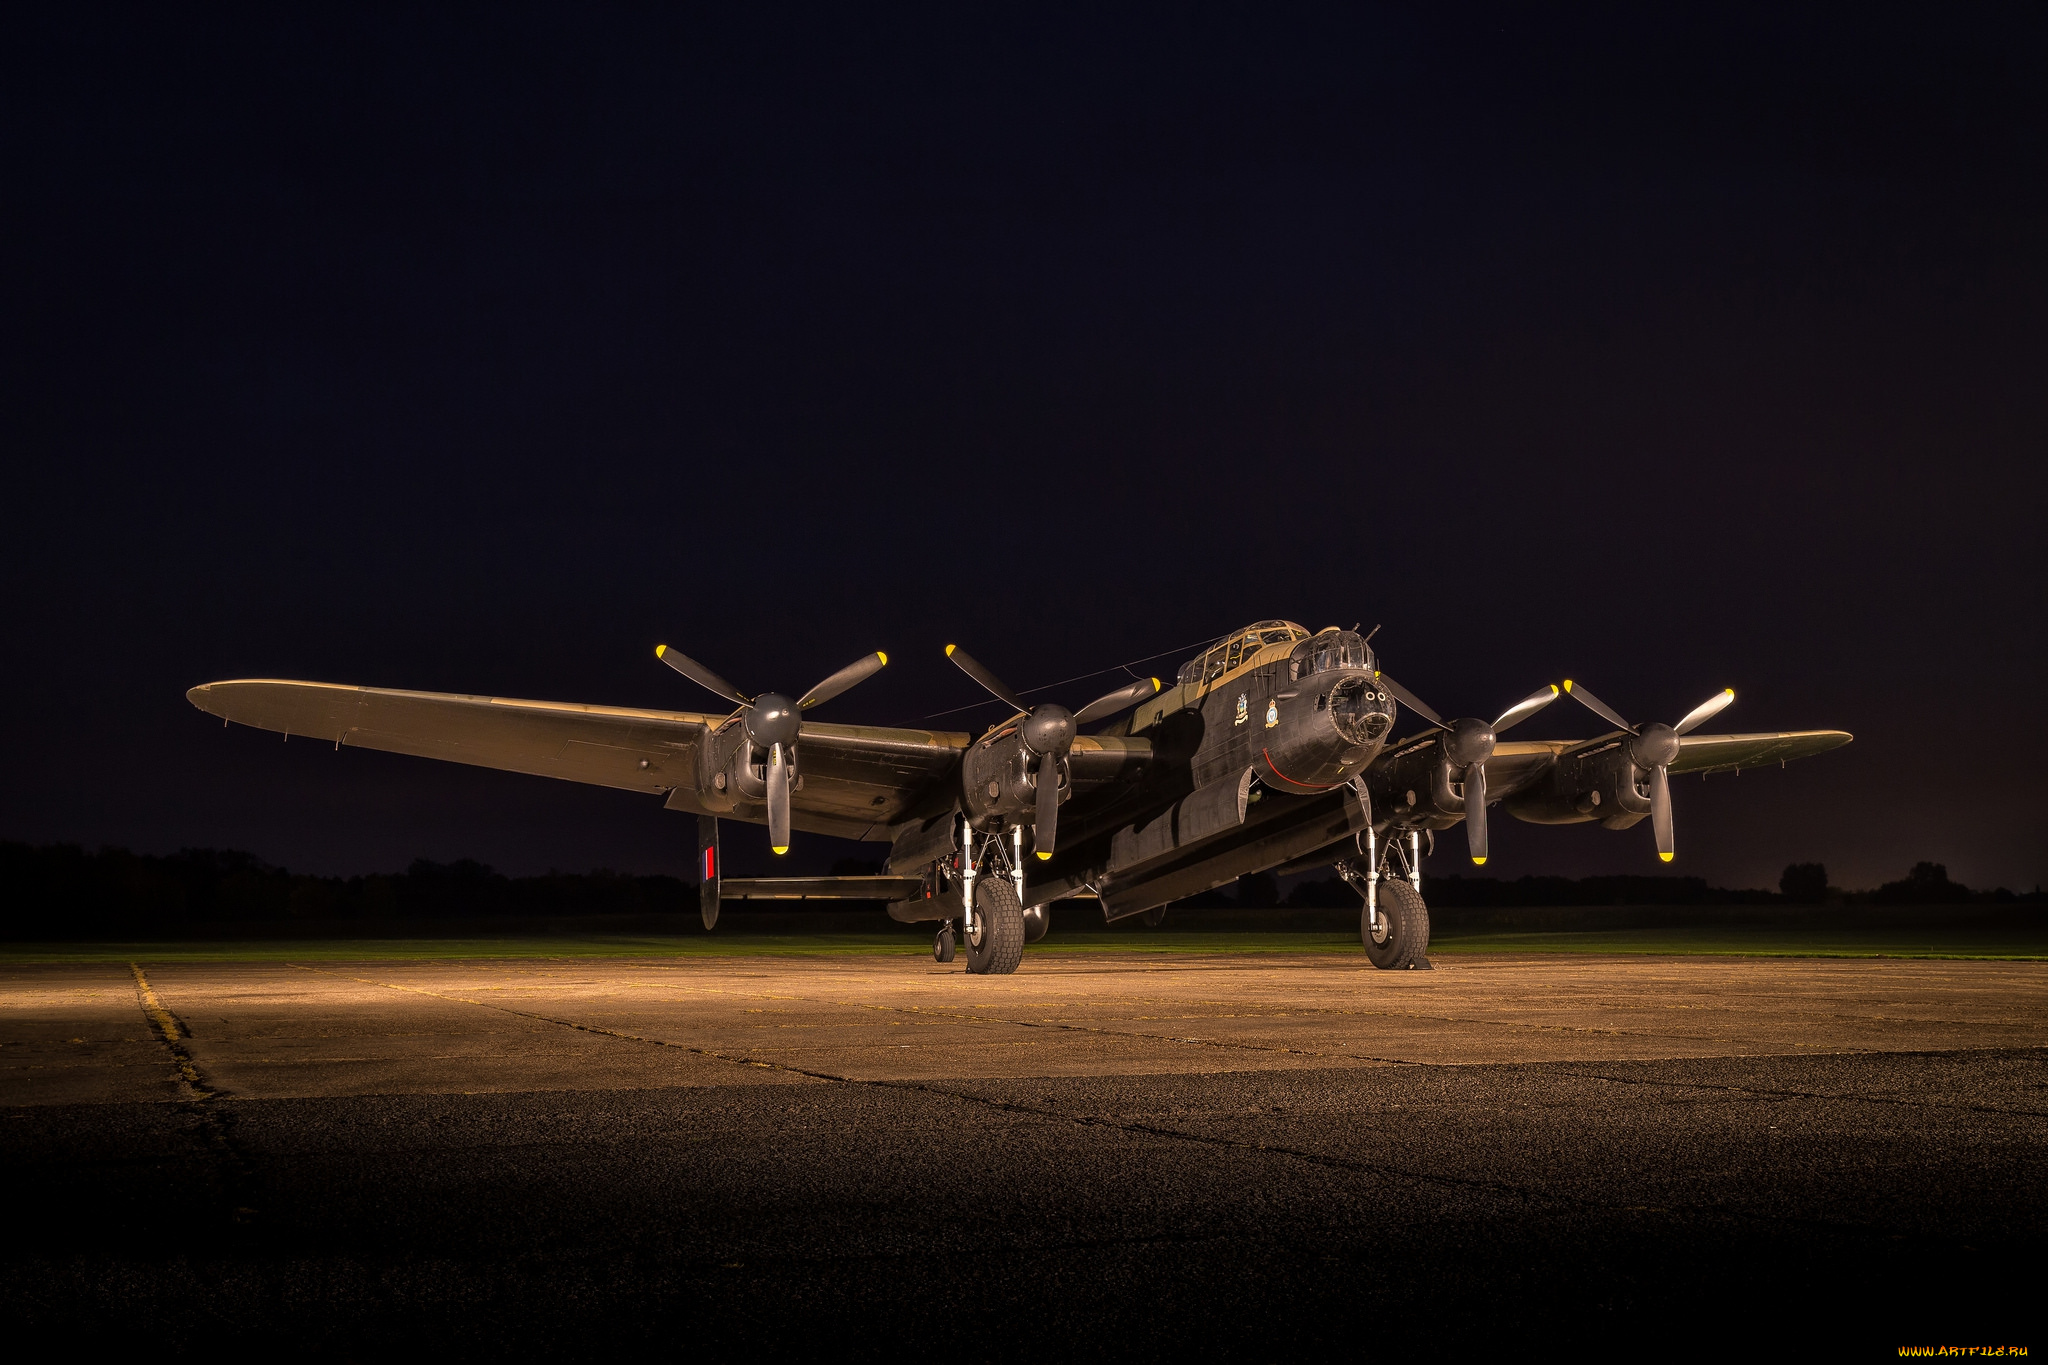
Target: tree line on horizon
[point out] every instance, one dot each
(60, 889)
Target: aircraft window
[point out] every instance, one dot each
(1233, 652)
(1332, 649)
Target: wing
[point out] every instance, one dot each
(1719, 753)
(1098, 759)
(1515, 763)
(608, 746)
(858, 780)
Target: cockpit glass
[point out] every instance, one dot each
(1221, 658)
(1331, 649)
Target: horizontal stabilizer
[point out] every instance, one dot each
(819, 888)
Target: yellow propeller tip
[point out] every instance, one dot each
(1155, 684)
(950, 649)
(1567, 684)
(660, 650)
(1479, 862)
(1667, 857)
(880, 655)
(1553, 689)
(1043, 856)
(781, 848)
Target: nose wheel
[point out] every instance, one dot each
(942, 946)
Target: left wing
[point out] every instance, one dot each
(1720, 753)
(1517, 763)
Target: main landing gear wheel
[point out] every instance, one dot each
(1400, 940)
(942, 945)
(996, 944)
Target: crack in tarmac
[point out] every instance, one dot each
(214, 1121)
(1462, 1184)
(952, 1014)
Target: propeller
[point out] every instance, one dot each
(1048, 733)
(1653, 747)
(1468, 743)
(773, 722)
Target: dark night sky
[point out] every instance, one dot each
(481, 349)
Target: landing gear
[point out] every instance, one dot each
(942, 946)
(995, 936)
(1394, 923)
(1397, 939)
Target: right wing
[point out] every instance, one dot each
(608, 746)
(857, 780)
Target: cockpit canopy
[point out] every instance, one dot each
(1329, 649)
(1233, 650)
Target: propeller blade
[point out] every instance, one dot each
(1411, 701)
(1597, 706)
(1526, 707)
(984, 677)
(1046, 827)
(1113, 702)
(1705, 711)
(860, 670)
(1660, 809)
(1475, 812)
(700, 675)
(778, 800)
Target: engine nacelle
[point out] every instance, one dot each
(999, 781)
(1601, 783)
(1416, 786)
(732, 771)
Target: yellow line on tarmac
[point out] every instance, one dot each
(170, 1030)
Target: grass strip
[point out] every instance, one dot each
(1959, 944)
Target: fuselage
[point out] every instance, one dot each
(1270, 718)
(1305, 713)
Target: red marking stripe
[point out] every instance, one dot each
(710, 864)
(1305, 786)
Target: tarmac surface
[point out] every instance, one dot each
(1108, 1154)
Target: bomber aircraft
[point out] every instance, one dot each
(1273, 749)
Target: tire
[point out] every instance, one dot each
(1037, 922)
(942, 943)
(997, 944)
(1404, 928)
